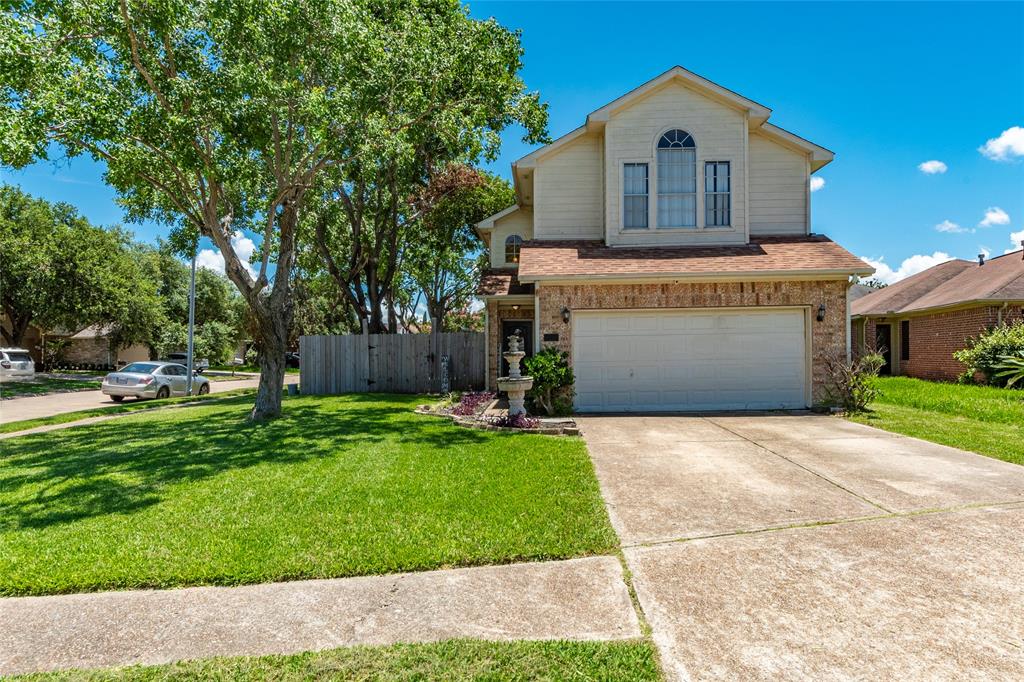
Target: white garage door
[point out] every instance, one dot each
(676, 360)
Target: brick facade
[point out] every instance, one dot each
(827, 337)
(934, 338)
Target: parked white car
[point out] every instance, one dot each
(16, 365)
(152, 380)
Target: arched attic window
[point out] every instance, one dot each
(677, 179)
(512, 245)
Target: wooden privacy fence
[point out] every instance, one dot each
(391, 363)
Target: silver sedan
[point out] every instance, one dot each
(152, 380)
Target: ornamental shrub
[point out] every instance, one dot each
(985, 352)
(552, 381)
(851, 385)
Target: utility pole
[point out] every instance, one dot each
(191, 320)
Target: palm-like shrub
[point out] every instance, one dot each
(1011, 369)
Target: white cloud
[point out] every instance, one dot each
(910, 266)
(1008, 146)
(932, 167)
(1015, 238)
(817, 183)
(985, 251)
(950, 226)
(994, 216)
(211, 259)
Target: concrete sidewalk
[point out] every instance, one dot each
(579, 599)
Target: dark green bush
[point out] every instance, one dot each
(552, 381)
(984, 353)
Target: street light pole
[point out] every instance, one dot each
(191, 320)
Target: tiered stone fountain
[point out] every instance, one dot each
(515, 384)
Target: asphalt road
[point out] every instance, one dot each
(35, 407)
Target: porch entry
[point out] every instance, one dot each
(522, 328)
(883, 344)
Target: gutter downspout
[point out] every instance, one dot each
(849, 322)
(999, 314)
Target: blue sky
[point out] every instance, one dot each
(886, 86)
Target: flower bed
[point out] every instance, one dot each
(470, 410)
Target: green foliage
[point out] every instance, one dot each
(1011, 368)
(447, 257)
(338, 486)
(852, 385)
(458, 660)
(214, 117)
(983, 419)
(61, 272)
(984, 353)
(552, 381)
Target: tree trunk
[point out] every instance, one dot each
(271, 388)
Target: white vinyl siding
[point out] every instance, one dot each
(516, 223)
(778, 188)
(685, 360)
(631, 135)
(568, 191)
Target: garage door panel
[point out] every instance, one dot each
(670, 360)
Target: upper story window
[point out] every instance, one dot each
(634, 195)
(677, 180)
(717, 203)
(512, 246)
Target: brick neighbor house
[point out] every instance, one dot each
(920, 321)
(666, 246)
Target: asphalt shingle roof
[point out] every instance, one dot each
(811, 253)
(950, 283)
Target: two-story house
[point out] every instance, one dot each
(666, 246)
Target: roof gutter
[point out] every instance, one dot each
(730, 276)
(973, 303)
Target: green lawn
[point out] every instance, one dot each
(42, 385)
(344, 485)
(133, 406)
(453, 660)
(983, 419)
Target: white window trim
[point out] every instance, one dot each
(704, 180)
(514, 235)
(622, 195)
(652, 197)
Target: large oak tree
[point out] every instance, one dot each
(214, 116)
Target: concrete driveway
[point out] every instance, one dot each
(809, 547)
(35, 407)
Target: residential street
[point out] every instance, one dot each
(18, 409)
(808, 547)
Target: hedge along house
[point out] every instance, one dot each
(666, 246)
(918, 323)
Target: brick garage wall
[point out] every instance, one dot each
(827, 337)
(496, 313)
(934, 338)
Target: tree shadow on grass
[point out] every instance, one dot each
(125, 465)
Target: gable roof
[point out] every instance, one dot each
(763, 257)
(757, 115)
(952, 283)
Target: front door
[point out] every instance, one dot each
(524, 329)
(883, 344)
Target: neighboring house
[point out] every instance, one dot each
(91, 346)
(666, 246)
(920, 321)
